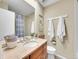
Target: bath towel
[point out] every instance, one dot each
(61, 29)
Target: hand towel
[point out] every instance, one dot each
(61, 29)
(32, 27)
(51, 29)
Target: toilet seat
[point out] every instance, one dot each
(51, 50)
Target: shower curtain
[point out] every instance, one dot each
(19, 27)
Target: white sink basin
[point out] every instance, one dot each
(30, 44)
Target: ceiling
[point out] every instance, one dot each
(46, 3)
(20, 7)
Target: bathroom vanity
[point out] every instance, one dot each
(39, 53)
(23, 52)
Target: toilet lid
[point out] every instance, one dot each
(51, 50)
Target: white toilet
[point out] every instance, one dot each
(51, 52)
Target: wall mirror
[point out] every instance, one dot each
(24, 17)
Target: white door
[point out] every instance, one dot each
(7, 22)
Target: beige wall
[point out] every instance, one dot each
(4, 4)
(65, 49)
(76, 29)
(27, 24)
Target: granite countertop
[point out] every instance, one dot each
(20, 51)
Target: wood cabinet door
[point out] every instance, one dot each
(36, 54)
(40, 53)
